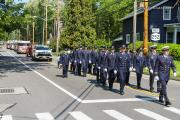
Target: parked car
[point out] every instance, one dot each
(22, 46)
(8, 45)
(1, 42)
(41, 52)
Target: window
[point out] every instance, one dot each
(138, 38)
(166, 13)
(178, 14)
(128, 37)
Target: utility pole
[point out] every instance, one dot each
(27, 30)
(58, 27)
(146, 26)
(46, 35)
(33, 31)
(134, 25)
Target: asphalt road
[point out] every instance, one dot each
(48, 96)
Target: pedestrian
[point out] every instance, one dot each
(111, 57)
(90, 60)
(140, 63)
(94, 57)
(98, 65)
(103, 64)
(64, 63)
(122, 67)
(85, 61)
(162, 71)
(131, 59)
(79, 60)
(152, 57)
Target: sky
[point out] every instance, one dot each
(19, 1)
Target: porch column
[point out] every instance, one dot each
(175, 35)
(166, 37)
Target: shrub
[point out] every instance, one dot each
(174, 48)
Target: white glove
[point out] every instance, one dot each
(156, 78)
(99, 68)
(151, 71)
(175, 74)
(146, 68)
(90, 61)
(115, 72)
(130, 69)
(105, 69)
(75, 61)
(80, 62)
(69, 62)
(60, 65)
(134, 69)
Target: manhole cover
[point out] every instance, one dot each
(6, 90)
(16, 90)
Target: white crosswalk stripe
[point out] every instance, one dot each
(80, 116)
(44, 116)
(172, 109)
(151, 114)
(117, 115)
(6, 117)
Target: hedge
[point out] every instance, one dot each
(174, 48)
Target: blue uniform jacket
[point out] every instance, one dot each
(64, 59)
(111, 58)
(162, 67)
(152, 61)
(122, 62)
(140, 63)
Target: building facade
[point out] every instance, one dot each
(164, 15)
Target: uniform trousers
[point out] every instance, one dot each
(121, 77)
(65, 70)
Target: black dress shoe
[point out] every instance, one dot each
(121, 93)
(139, 87)
(161, 101)
(151, 89)
(167, 103)
(110, 88)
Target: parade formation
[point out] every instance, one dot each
(109, 65)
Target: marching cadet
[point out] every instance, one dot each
(152, 57)
(90, 61)
(162, 71)
(85, 61)
(111, 57)
(64, 62)
(140, 63)
(71, 61)
(98, 65)
(79, 60)
(128, 73)
(122, 67)
(104, 71)
(94, 56)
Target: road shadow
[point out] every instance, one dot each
(99, 85)
(135, 87)
(10, 64)
(149, 99)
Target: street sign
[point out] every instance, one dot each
(155, 30)
(155, 37)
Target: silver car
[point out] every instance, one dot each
(41, 52)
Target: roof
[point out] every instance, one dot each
(118, 39)
(141, 10)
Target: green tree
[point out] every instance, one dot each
(77, 28)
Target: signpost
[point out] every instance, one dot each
(155, 36)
